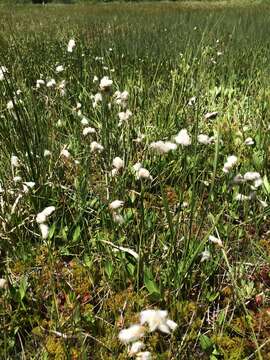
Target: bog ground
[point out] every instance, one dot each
(135, 181)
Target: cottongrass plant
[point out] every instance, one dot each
(156, 159)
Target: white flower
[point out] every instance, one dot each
(157, 320)
(95, 146)
(204, 139)
(71, 45)
(59, 68)
(15, 162)
(17, 179)
(3, 70)
(114, 172)
(121, 98)
(118, 219)
(258, 183)
(238, 179)
(62, 87)
(211, 115)
(183, 138)
(133, 333)
(65, 153)
(229, 164)
(51, 83)
(95, 79)
(205, 255)
(136, 347)
(192, 101)
(88, 130)
(143, 174)
(44, 229)
(30, 184)
(10, 105)
(97, 98)
(43, 215)
(242, 197)
(105, 83)
(215, 240)
(144, 355)
(118, 163)
(249, 141)
(251, 176)
(137, 166)
(3, 284)
(263, 203)
(116, 204)
(124, 116)
(163, 147)
(84, 121)
(47, 153)
(39, 83)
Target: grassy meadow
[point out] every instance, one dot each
(134, 175)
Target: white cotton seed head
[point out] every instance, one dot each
(171, 324)
(41, 218)
(205, 255)
(17, 179)
(48, 210)
(211, 115)
(44, 229)
(163, 147)
(47, 153)
(136, 347)
(15, 162)
(116, 204)
(144, 355)
(242, 197)
(105, 83)
(10, 105)
(95, 146)
(124, 116)
(215, 240)
(118, 163)
(51, 83)
(230, 163)
(84, 121)
(133, 333)
(153, 318)
(3, 283)
(203, 139)
(28, 185)
(71, 45)
(39, 83)
(252, 176)
(43, 215)
(137, 166)
(88, 130)
(249, 141)
(183, 138)
(59, 68)
(118, 219)
(3, 70)
(114, 172)
(143, 174)
(65, 153)
(238, 179)
(258, 183)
